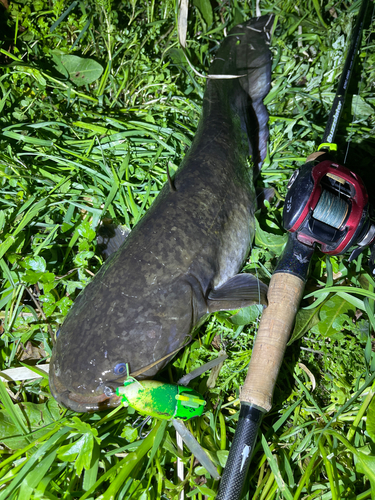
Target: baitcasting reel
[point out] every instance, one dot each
(328, 204)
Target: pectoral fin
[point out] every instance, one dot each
(240, 291)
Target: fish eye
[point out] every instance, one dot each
(119, 369)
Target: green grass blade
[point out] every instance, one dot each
(276, 471)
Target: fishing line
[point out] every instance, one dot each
(259, 304)
(257, 277)
(331, 209)
(351, 133)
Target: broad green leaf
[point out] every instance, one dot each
(222, 456)
(81, 70)
(247, 315)
(73, 285)
(69, 452)
(83, 427)
(56, 57)
(64, 304)
(272, 242)
(305, 320)
(38, 417)
(49, 303)
(31, 277)
(129, 433)
(204, 7)
(84, 457)
(36, 263)
(47, 278)
(86, 231)
(360, 109)
(82, 257)
(48, 282)
(333, 316)
(80, 452)
(205, 490)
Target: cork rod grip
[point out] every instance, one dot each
(284, 295)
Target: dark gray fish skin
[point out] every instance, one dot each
(173, 268)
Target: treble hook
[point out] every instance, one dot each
(140, 425)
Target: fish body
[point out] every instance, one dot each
(180, 262)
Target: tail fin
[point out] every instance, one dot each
(245, 52)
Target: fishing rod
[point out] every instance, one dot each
(326, 205)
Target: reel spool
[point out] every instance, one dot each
(328, 204)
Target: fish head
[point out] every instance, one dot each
(93, 355)
(85, 383)
(84, 378)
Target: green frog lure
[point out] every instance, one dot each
(174, 402)
(160, 400)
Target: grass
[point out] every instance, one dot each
(90, 137)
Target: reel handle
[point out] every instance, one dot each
(284, 295)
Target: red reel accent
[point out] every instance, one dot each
(358, 200)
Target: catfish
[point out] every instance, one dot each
(181, 260)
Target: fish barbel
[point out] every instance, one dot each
(181, 261)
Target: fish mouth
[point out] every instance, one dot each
(81, 403)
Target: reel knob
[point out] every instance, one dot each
(294, 176)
